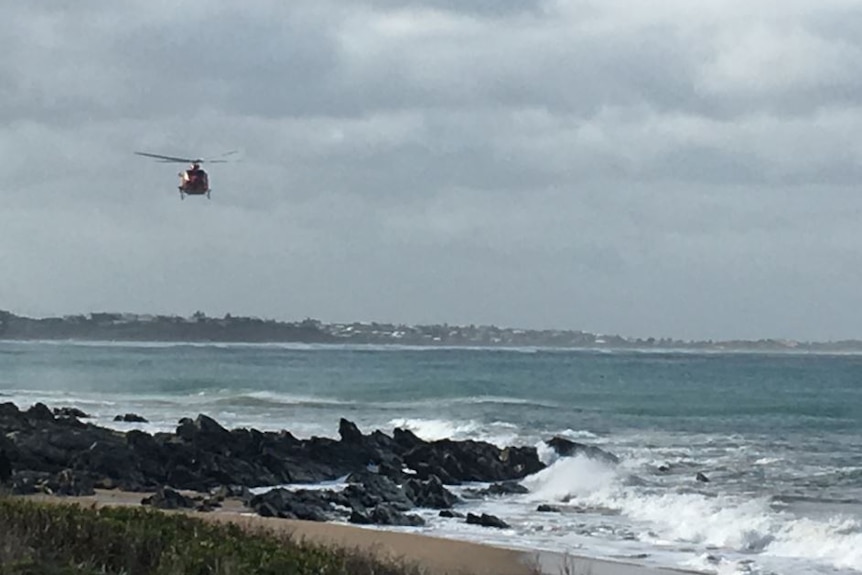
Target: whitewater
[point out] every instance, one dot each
(729, 463)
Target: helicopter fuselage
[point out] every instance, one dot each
(194, 183)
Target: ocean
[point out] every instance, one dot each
(779, 436)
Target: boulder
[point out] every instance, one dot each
(70, 412)
(131, 418)
(385, 514)
(167, 498)
(486, 520)
(302, 504)
(69, 483)
(368, 490)
(429, 493)
(568, 448)
(40, 412)
(349, 432)
(450, 513)
(503, 488)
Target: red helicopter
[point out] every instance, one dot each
(193, 181)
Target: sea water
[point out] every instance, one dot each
(778, 436)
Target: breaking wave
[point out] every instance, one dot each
(729, 529)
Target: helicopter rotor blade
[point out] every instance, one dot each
(220, 159)
(166, 158)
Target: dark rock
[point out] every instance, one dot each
(5, 467)
(368, 490)
(205, 431)
(40, 412)
(71, 412)
(9, 410)
(143, 444)
(486, 520)
(111, 458)
(209, 426)
(167, 498)
(450, 513)
(663, 468)
(186, 429)
(503, 488)
(429, 493)
(385, 514)
(131, 418)
(392, 471)
(701, 477)
(463, 461)
(223, 492)
(69, 483)
(522, 460)
(349, 432)
(207, 505)
(382, 441)
(568, 448)
(301, 504)
(425, 471)
(27, 482)
(406, 438)
(547, 509)
(203, 456)
(359, 518)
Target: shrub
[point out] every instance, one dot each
(65, 539)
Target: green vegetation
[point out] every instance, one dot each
(65, 539)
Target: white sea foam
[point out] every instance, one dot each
(578, 434)
(546, 453)
(730, 531)
(837, 541)
(277, 398)
(436, 402)
(570, 477)
(436, 429)
(768, 460)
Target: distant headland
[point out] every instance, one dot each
(199, 327)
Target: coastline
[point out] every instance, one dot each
(434, 554)
(229, 329)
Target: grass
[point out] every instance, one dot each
(567, 567)
(68, 539)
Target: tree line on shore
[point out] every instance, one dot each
(104, 326)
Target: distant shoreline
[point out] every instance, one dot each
(201, 329)
(347, 345)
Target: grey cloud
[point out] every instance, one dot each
(645, 170)
(486, 8)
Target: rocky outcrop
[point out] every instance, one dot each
(388, 476)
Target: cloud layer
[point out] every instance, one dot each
(670, 169)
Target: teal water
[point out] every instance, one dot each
(779, 436)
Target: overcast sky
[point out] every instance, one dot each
(665, 168)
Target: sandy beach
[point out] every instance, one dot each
(434, 554)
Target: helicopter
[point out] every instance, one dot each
(194, 181)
